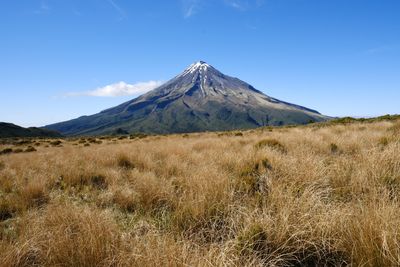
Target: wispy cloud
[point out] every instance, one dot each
(244, 5)
(190, 7)
(76, 13)
(120, 89)
(380, 49)
(121, 12)
(43, 8)
(237, 4)
(260, 3)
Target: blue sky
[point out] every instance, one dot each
(60, 59)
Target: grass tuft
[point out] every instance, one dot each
(6, 151)
(253, 240)
(30, 149)
(56, 143)
(334, 149)
(124, 162)
(271, 143)
(35, 194)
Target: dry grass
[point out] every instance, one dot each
(298, 196)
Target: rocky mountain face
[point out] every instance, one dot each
(199, 99)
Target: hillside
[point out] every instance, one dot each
(199, 99)
(8, 130)
(325, 194)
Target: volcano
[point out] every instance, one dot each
(201, 98)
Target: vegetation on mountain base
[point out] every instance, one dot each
(9, 130)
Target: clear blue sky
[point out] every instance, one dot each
(340, 57)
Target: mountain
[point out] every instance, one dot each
(8, 130)
(199, 99)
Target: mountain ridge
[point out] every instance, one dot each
(9, 130)
(201, 98)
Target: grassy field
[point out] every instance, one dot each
(318, 195)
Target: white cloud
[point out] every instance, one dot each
(120, 89)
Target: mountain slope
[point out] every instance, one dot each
(8, 130)
(199, 99)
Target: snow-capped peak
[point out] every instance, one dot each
(197, 66)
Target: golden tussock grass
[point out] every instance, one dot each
(297, 196)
